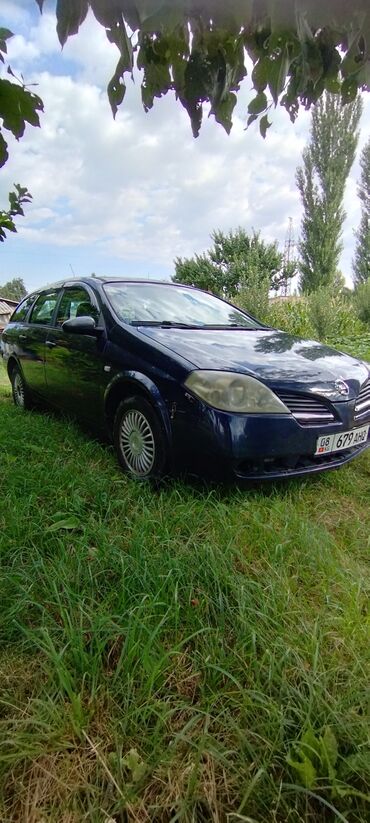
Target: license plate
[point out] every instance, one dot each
(345, 440)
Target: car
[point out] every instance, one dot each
(181, 379)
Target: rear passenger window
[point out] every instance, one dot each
(22, 310)
(43, 309)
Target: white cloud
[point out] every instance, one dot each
(21, 50)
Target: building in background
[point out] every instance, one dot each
(6, 310)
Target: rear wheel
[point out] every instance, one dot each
(20, 391)
(139, 439)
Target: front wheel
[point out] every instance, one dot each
(139, 439)
(20, 391)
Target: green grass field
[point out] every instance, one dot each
(195, 653)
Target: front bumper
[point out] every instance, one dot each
(258, 447)
(296, 465)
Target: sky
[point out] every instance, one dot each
(127, 196)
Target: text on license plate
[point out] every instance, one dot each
(345, 440)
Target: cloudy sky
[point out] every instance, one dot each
(126, 197)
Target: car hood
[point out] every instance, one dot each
(275, 357)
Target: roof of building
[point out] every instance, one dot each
(5, 301)
(5, 307)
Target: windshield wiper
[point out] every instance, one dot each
(165, 324)
(173, 324)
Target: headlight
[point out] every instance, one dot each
(234, 393)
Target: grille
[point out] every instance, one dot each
(362, 406)
(307, 410)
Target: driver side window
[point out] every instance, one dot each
(75, 302)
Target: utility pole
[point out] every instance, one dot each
(288, 258)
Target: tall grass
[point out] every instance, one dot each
(166, 655)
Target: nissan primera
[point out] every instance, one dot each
(180, 378)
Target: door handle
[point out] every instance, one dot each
(50, 344)
(23, 337)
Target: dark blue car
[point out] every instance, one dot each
(180, 378)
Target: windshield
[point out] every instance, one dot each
(159, 304)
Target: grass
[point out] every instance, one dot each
(190, 654)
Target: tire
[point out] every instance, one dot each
(139, 440)
(21, 394)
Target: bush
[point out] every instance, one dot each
(361, 300)
(358, 346)
(332, 314)
(291, 315)
(321, 315)
(254, 296)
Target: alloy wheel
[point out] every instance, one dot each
(18, 388)
(137, 443)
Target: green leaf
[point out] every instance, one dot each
(70, 15)
(119, 36)
(304, 31)
(134, 763)
(349, 90)
(3, 151)
(332, 85)
(330, 746)
(18, 106)
(277, 74)
(363, 76)
(153, 57)
(116, 88)
(312, 745)
(258, 104)
(4, 36)
(251, 119)
(260, 74)
(116, 91)
(305, 770)
(66, 524)
(224, 110)
(264, 125)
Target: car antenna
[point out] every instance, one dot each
(72, 270)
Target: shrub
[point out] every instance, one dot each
(254, 295)
(332, 314)
(322, 315)
(291, 315)
(356, 345)
(361, 300)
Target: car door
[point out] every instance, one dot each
(74, 362)
(32, 337)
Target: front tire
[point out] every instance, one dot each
(139, 440)
(20, 391)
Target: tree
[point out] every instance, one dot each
(321, 180)
(13, 289)
(361, 263)
(18, 106)
(197, 49)
(234, 262)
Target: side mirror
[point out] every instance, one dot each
(80, 325)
